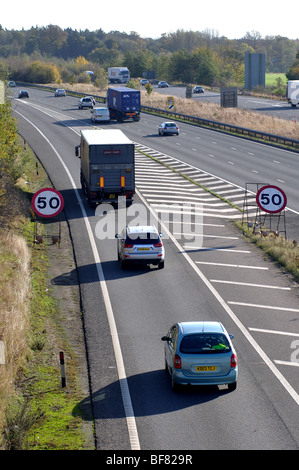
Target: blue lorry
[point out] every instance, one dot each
(123, 103)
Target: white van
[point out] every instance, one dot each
(100, 114)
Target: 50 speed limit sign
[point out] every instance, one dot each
(271, 199)
(47, 202)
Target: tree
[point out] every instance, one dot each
(204, 66)
(39, 72)
(51, 39)
(293, 72)
(101, 80)
(180, 66)
(105, 57)
(4, 71)
(81, 62)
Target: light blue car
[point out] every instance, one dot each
(200, 353)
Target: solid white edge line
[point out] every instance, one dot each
(129, 413)
(231, 314)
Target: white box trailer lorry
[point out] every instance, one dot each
(293, 92)
(118, 75)
(107, 166)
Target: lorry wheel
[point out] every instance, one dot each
(83, 185)
(92, 204)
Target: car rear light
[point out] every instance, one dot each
(127, 245)
(233, 361)
(157, 245)
(177, 362)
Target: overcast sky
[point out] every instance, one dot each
(229, 18)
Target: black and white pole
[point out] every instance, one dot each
(62, 367)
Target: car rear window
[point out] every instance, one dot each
(143, 238)
(171, 125)
(204, 343)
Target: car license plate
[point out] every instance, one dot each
(205, 368)
(111, 196)
(143, 249)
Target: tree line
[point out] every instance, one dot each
(51, 54)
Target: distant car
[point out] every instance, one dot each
(200, 353)
(23, 94)
(87, 102)
(100, 115)
(144, 81)
(198, 89)
(92, 99)
(11, 84)
(60, 92)
(140, 244)
(168, 128)
(163, 84)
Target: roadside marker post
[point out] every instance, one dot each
(62, 367)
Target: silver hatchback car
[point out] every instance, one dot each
(167, 128)
(140, 244)
(200, 353)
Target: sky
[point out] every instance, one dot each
(230, 18)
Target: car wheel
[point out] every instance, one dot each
(123, 264)
(232, 387)
(161, 265)
(174, 385)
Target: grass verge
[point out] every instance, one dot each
(38, 319)
(284, 252)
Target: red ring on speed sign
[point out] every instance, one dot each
(47, 202)
(271, 199)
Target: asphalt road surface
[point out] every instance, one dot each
(210, 273)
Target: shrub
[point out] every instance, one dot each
(40, 72)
